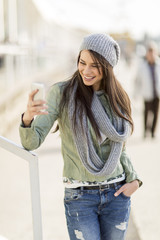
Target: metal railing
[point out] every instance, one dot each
(32, 159)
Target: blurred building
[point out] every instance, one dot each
(29, 44)
(127, 45)
(31, 49)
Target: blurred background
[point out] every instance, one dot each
(39, 42)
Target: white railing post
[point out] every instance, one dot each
(35, 196)
(34, 182)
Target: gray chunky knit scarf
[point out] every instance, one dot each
(117, 133)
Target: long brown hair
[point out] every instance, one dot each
(118, 98)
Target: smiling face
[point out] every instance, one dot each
(90, 71)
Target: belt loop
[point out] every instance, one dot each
(81, 189)
(115, 186)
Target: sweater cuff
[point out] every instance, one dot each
(140, 182)
(133, 176)
(22, 123)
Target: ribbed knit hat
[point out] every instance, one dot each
(103, 44)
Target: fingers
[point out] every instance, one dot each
(37, 107)
(39, 110)
(128, 189)
(37, 103)
(32, 94)
(32, 103)
(120, 190)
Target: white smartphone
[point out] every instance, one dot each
(40, 95)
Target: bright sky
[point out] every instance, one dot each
(135, 16)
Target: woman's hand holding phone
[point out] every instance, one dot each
(36, 104)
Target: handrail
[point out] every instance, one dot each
(16, 149)
(32, 159)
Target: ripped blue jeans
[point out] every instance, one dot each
(96, 214)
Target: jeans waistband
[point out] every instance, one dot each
(99, 187)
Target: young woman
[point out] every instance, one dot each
(94, 119)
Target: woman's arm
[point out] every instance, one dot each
(133, 181)
(33, 131)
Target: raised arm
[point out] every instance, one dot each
(33, 130)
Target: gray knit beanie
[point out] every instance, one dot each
(103, 44)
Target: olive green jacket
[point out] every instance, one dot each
(32, 137)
